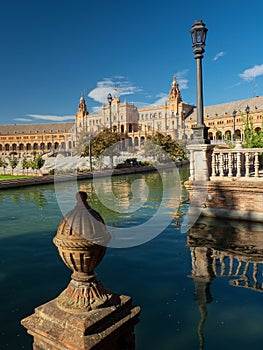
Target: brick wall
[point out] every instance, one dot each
(242, 200)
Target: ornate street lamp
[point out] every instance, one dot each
(109, 98)
(177, 125)
(247, 111)
(184, 114)
(90, 154)
(198, 34)
(234, 116)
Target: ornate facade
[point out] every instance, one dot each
(174, 118)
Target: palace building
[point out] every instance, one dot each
(174, 118)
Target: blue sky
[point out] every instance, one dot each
(52, 51)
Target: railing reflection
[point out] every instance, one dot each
(233, 250)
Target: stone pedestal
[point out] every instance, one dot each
(107, 328)
(200, 161)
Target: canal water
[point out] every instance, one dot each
(200, 289)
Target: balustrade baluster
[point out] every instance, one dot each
(214, 265)
(247, 164)
(254, 274)
(230, 165)
(221, 165)
(231, 265)
(256, 165)
(213, 164)
(239, 266)
(238, 164)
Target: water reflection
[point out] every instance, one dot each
(37, 197)
(233, 250)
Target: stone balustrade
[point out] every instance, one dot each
(237, 163)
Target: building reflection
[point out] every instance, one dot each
(233, 250)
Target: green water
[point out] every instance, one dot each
(179, 309)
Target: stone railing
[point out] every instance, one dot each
(237, 163)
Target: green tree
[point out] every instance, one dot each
(253, 138)
(164, 142)
(13, 162)
(25, 165)
(3, 163)
(38, 162)
(103, 144)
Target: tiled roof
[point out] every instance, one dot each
(36, 128)
(224, 109)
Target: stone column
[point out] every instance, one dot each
(86, 315)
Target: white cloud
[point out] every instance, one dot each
(124, 87)
(23, 119)
(218, 55)
(251, 73)
(54, 118)
(181, 79)
(96, 109)
(163, 98)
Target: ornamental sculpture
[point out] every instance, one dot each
(81, 239)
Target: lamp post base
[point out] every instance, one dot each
(200, 135)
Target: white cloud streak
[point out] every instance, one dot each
(218, 55)
(107, 85)
(54, 118)
(163, 98)
(251, 73)
(23, 119)
(181, 79)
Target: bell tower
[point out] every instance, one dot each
(81, 116)
(175, 97)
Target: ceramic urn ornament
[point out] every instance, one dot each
(81, 240)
